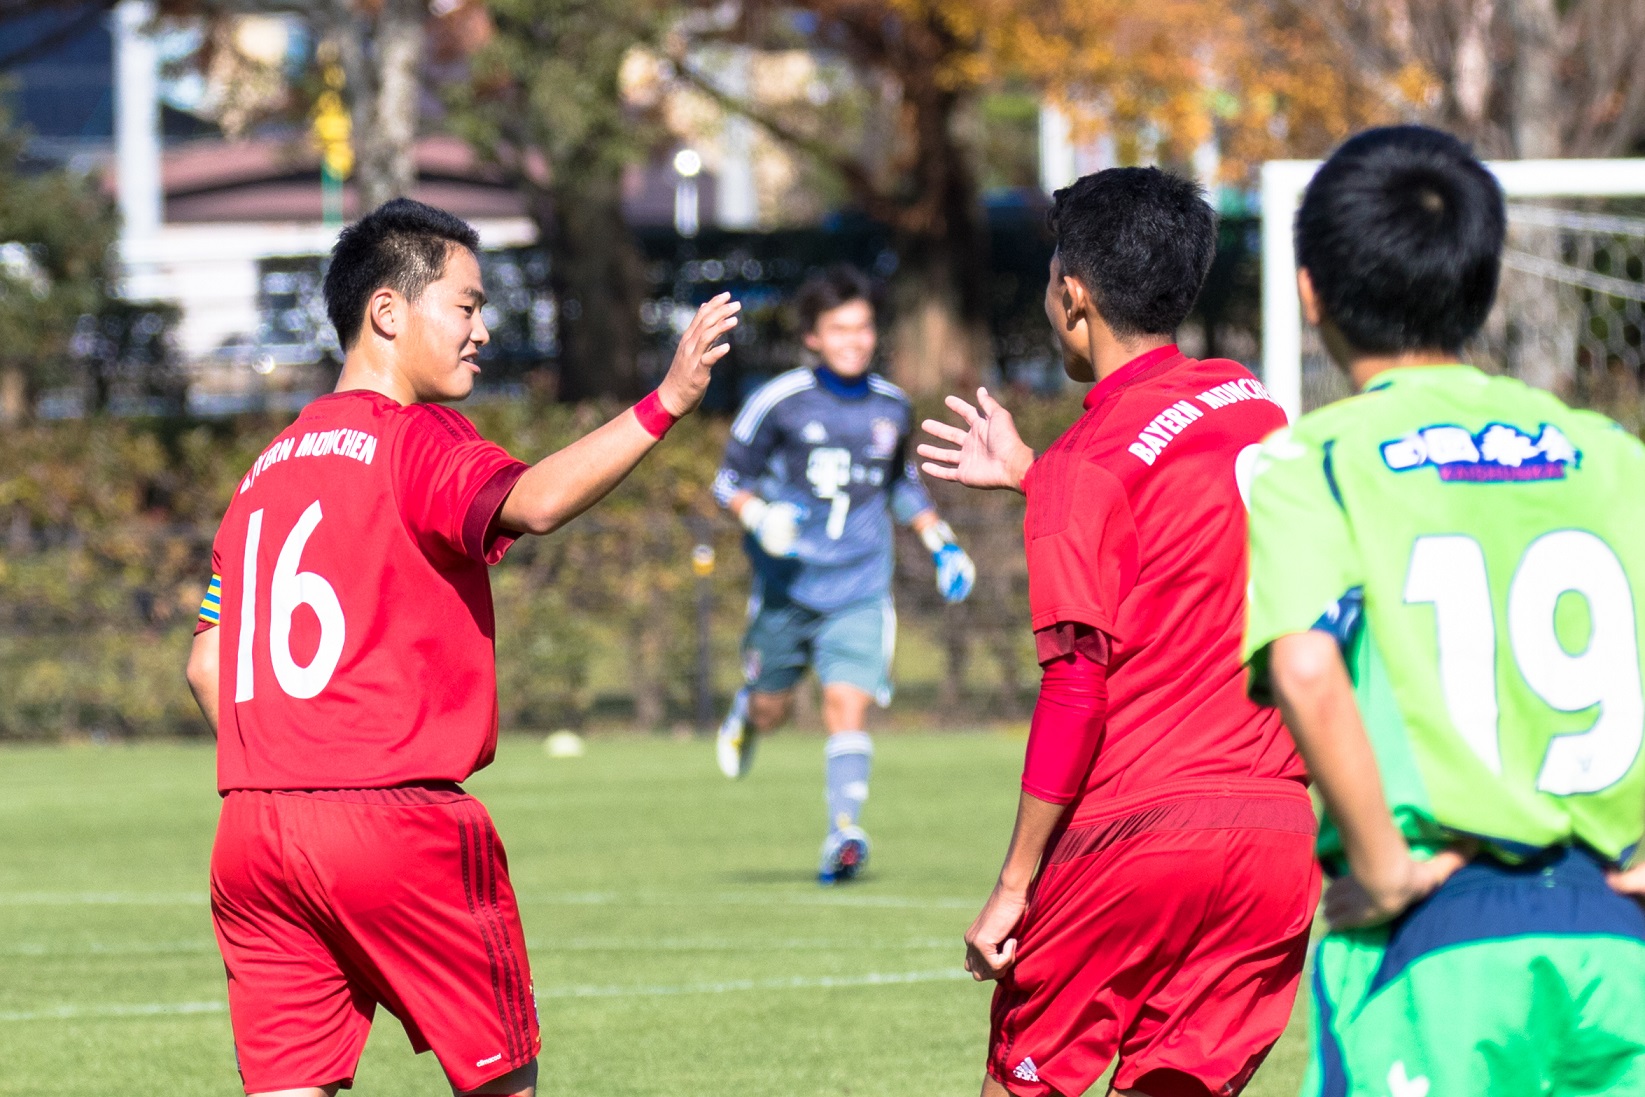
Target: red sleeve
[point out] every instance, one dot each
(451, 483)
(1068, 723)
(1082, 542)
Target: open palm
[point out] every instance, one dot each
(990, 453)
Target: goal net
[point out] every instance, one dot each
(1570, 311)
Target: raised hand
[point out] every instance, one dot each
(990, 453)
(682, 390)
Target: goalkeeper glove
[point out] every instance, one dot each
(775, 526)
(956, 574)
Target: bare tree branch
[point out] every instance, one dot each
(849, 168)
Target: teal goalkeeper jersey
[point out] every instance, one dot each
(1478, 548)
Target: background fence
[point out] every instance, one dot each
(1569, 314)
(105, 547)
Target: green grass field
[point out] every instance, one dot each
(679, 945)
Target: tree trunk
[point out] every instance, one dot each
(957, 665)
(15, 404)
(649, 654)
(599, 282)
(1535, 114)
(1003, 645)
(939, 337)
(1545, 313)
(382, 59)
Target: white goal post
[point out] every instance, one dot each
(1283, 182)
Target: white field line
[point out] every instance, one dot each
(732, 944)
(141, 1009)
(736, 898)
(798, 982)
(103, 948)
(574, 944)
(638, 899)
(104, 898)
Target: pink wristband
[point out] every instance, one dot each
(655, 418)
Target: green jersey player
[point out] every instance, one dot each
(1447, 594)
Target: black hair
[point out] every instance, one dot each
(827, 290)
(1141, 240)
(1401, 232)
(401, 244)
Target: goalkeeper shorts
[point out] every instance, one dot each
(852, 645)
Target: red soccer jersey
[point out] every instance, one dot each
(1136, 527)
(356, 649)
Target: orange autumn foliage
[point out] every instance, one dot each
(1165, 75)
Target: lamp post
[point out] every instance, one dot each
(332, 130)
(687, 165)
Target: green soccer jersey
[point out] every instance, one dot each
(1478, 548)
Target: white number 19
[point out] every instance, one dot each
(289, 589)
(1448, 571)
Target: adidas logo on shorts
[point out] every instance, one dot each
(1027, 1071)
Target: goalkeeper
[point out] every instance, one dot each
(816, 469)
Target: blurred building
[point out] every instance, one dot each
(220, 217)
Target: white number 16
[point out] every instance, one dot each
(290, 588)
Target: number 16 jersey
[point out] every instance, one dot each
(354, 600)
(1478, 549)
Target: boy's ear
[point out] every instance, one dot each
(1311, 311)
(1077, 303)
(385, 312)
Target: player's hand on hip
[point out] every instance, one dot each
(1350, 903)
(1628, 881)
(682, 390)
(990, 950)
(989, 454)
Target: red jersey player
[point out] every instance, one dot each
(1156, 897)
(345, 661)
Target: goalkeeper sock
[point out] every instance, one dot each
(846, 762)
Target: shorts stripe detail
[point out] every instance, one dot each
(518, 992)
(1333, 1073)
(1294, 815)
(888, 645)
(1564, 894)
(468, 832)
(513, 985)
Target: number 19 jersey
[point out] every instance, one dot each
(354, 600)
(1478, 548)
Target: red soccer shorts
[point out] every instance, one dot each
(1171, 936)
(327, 904)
